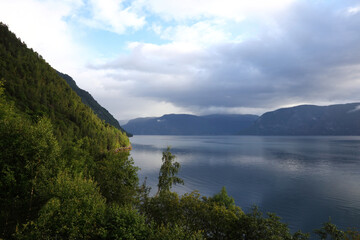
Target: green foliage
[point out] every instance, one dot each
(29, 159)
(46, 131)
(329, 231)
(254, 226)
(257, 227)
(214, 220)
(124, 222)
(75, 211)
(79, 159)
(222, 198)
(86, 98)
(174, 232)
(38, 90)
(195, 214)
(301, 236)
(163, 209)
(118, 178)
(168, 171)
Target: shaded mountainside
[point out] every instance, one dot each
(340, 119)
(92, 103)
(184, 124)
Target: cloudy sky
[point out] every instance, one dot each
(151, 57)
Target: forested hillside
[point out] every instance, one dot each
(86, 98)
(37, 90)
(64, 174)
(48, 135)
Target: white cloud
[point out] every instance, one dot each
(353, 10)
(117, 91)
(129, 106)
(41, 25)
(111, 15)
(201, 34)
(175, 59)
(226, 9)
(48, 27)
(302, 62)
(303, 53)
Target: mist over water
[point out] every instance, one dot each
(304, 180)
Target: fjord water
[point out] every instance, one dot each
(304, 180)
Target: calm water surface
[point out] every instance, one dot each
(305, 180)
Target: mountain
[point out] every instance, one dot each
(55, 153)
(86, 98)
(64, 173)
(184, 124)
(38, 91)
(340, 119)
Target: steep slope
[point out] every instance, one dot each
(54, 149)
(340, 119)
(183, 124)
(38, 90)
(86, 98)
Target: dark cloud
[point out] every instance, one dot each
(311, 53)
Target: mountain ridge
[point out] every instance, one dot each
(50, 140)
(38, 91)
(89, 100)
(187, 124)
(337, 119)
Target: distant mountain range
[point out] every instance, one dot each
(340, 119)
(184, 124)
(87, 99)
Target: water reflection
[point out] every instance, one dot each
(303, 179)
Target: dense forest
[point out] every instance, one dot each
(62, 175)
(86, 98)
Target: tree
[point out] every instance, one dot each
(174, 232)
(329, 230)
(75, 211)
(29, 159)
(117, 178)
(163, 209)
(222, 198)
(213, 219)
(168, 171)
(258, 227)
(125, 222)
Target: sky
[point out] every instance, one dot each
(144, 58)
